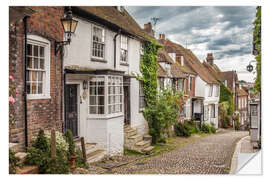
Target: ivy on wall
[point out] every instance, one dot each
(257, 42)
(226, 96)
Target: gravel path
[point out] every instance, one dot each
(207, 155)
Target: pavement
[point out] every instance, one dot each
(245, 156)
(207, 155)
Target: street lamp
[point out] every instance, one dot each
(250, 67)
(69, 25)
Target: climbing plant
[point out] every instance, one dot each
(226, 96)
(257, 43)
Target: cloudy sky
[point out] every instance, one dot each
(224, 31)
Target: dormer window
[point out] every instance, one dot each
(182, 60)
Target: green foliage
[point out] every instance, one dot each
(79, 161)
(182, 129)
(40, 155)
(223, 114)
(163, 114)
(226, 96)
(70, 141)
(237, 123)
(14, 162)
(212, 128)
(257, 42)
(206, 128)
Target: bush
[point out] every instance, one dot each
(192, 128)
(213, 128)
(206, 128)
(13, 162)
(40, 155)
(181, 129)
(237, 123)
(79, 161)
(162, 114)
(70, 140)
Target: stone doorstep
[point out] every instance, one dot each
(129, 133)
(90, 147)
(142, 144)
(148, 149)
(136, 138)
(21, 156)
(15, 147)
(96, 156)
(28, 170)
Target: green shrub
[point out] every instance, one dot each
(14, 162)
(237, 123)
(181, 129)
(40, 155)
(70, 140)
(79, 161)
(213, 128)
(192, 128)
(206, 128)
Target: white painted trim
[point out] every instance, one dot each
(38, 40)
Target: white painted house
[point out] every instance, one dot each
(101, 93)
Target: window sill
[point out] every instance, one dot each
(104, 116)
(124, 64)
(99, 60)
(37, 96)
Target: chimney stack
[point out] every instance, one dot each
(162, 36)
(148, 29)
(210, 59)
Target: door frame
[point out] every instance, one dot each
(78, 84)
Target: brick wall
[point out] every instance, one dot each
(41, 113)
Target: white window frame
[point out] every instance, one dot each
(104, 42)
(40, 41)
(217, 90)
(210, 92)
(124, 48)
(106, 99)
(141, 97)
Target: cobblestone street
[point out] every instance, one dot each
(207, 155)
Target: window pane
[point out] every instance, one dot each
(35, 63)
(100, 100)
(34, 88)
(34, 76)
(100, 109)
(93, 100)
(29, 49)
(27, 76)
(29, 62)
(92, 90)
(36, 51)
(110, 99)
(92, 83)
(41, 51)
(28, 88)
(40, 76)
(41, 63)
(93, 110)
(100, 90)
(110, 109)
(39, 88)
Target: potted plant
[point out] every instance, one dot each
(71, 148)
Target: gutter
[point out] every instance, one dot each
(25, 90)
(114, 42)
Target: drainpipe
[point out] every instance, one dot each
(64, 94)
(25, 90)
(114, 42)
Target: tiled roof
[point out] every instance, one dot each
(229, 76)
(164, 57)
(242, 92)
(176, 71)
(113, 17)
(212, 70)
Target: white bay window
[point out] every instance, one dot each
(105, 95)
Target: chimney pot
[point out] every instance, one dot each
(148, 29)
(210, 59)
(162, 36)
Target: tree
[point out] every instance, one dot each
(257, 44)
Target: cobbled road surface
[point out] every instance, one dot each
(207, 155)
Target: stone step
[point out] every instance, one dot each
(136, 138)
(148, 150)
(95, 156)
(130, 132)
(147, 137)
(143, 144)
(21, 156)
(90, 147)
(15, 147)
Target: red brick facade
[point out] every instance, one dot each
(41, 113)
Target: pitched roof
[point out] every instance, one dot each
(176, 71)
(229, 76)
(212, 70)
(242, 92)
(171, 47)
(163, 56)
(111, 17)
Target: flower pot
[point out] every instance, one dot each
(72, 161)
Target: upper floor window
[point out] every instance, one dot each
(210, 90)
(190, 83)
(124, 49)
(38, 67)
(98, 48)
(217, 91)
(213, 110)
(141, 96)
(141, 49)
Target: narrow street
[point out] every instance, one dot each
(207, 155)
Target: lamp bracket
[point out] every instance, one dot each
(59, 45)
